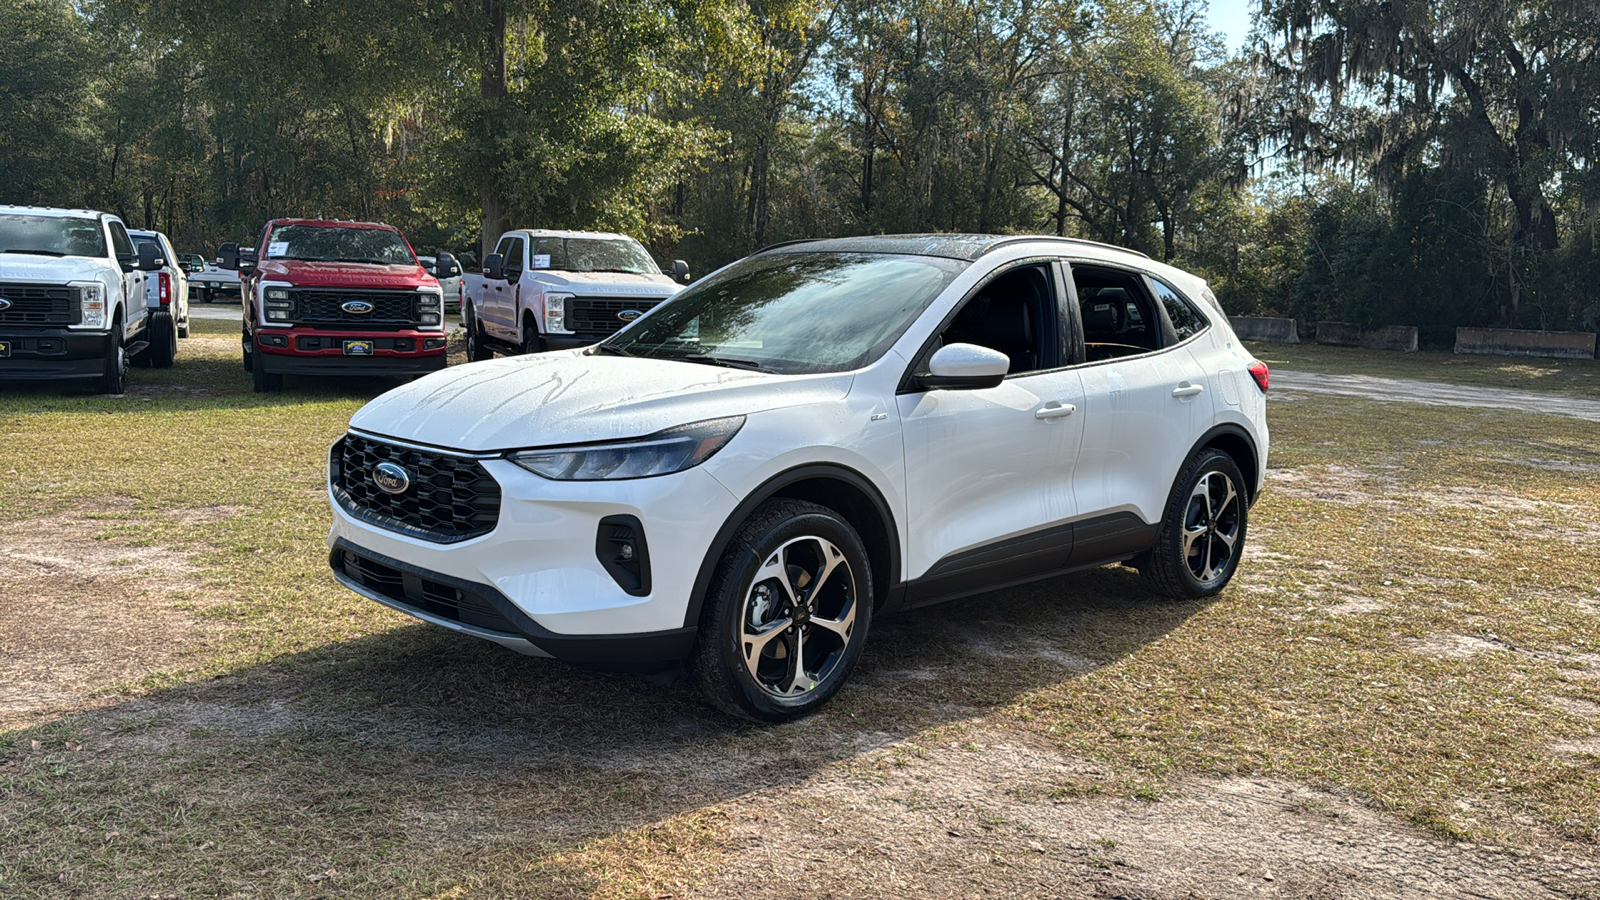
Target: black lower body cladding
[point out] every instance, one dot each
(47, 354)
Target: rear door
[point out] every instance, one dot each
(989, 472)
(1146, 400)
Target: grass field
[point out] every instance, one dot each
(1398, 693)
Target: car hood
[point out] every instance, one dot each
(571, 397)
(28, 267)
(331, 274)
(609, 283)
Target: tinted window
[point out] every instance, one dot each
(1117, 318)
(793, 312)
(51, 235)
(1185, 320)
(119, 239)
(1014, 313)
(510, 251)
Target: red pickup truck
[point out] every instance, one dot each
(328, 297)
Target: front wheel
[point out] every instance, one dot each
(477, 350)
(114, 368)
(1202, 534)
(263, 381)
(786, 613)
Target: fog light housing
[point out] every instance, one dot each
(620, 546)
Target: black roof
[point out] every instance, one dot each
(968, 247)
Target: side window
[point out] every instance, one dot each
(1186, 322)
(511, 251)
(1118, 316)
(121, 244)
(1014, 313)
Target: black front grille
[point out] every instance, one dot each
(598, 315)
(40, 304)
(449, 498)
(422, 594)
(326, 307)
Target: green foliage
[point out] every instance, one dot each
(46, 75)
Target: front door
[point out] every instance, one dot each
(988, 472)
(498, 311)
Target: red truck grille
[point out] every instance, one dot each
(343, 307)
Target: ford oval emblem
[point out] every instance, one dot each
(390, 478)
(628, 315)
(356, 307)
(4, 304)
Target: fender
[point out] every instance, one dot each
(1253, 477)
(766, 491)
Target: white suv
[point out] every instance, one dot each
(818, 434)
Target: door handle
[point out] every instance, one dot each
(1188, 390)
(1055, 409)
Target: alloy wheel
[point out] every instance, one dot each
(1211, 526)
(799, 617)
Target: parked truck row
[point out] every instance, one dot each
(81, 296)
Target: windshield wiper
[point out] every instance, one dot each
(619, 271)
(607, 348)
(34, 252)
(729, 361)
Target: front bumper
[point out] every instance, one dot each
(535, 582)
(297, 351)
(38, 354)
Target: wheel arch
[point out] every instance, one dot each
(837, 487)
(1237, 443)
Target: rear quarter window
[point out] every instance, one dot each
(1186, 320)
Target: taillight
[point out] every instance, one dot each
(1258, 371)
(166, 289)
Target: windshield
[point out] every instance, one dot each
(332, 243)
(792, 313)
(51, 235)
(591, 255)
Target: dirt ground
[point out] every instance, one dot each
(1405, 390)
(497, 776)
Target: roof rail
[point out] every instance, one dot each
(1070, 240)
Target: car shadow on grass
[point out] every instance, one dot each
(416, 756)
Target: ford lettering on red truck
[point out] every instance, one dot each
(337, 298)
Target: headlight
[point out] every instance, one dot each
(555, 312)
(661, 453)
(91, 303)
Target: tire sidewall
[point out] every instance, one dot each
(732, 586)
(1204, 464)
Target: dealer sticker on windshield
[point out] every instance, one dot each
(541, 260)
(277, 248)
(357, 348)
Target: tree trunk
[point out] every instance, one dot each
(492, 89)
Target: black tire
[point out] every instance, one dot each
(477, 349)
(245, 352)
(532, 340)
(114, 370)
(163, 338)
(1202, 531)
(205, 295)
(795, 541)
(263, 381)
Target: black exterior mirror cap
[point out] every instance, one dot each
(494, 267)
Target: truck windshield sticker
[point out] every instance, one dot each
(541, 260)
(277, 248)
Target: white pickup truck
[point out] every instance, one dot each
(72, 295)
(551, 290)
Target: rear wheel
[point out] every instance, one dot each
(114, 372)
(1203, 532)
(163, 337)
(786, 613)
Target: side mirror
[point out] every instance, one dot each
(680, 271)
(494, 267)
(446, 266)
(151, 259)
(228, 256)
(965, 367)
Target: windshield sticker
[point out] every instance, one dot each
(277, 248)
(541, 260)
